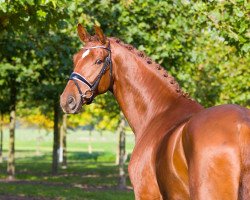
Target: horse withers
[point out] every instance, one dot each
(182, 151)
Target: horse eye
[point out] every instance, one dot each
(98, 62)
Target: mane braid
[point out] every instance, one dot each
(158, 67)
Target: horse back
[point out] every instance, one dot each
(218, 127)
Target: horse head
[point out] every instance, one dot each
(92, 73)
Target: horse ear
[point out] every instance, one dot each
(100, 35)
(82, 33)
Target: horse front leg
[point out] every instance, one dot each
(144, 181)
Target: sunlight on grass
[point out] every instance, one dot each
(88, 176)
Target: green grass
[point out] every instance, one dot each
(57, 192)
(88, 176)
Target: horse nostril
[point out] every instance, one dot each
(72, 103)
(70, 99)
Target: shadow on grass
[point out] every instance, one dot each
(85, 155)
(29, 191)
(84, 170)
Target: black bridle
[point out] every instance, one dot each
(93, 86)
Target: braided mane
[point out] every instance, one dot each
(152, 63)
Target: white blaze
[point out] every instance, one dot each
(85, 53)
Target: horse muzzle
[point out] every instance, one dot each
(70, 104)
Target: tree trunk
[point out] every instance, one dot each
(63, 141)
(122, 153)
(1, 139)
(11, 156)
(56, 139)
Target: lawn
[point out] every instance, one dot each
(88, 176)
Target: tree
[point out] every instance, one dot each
(231, 20)
(63, 141)
(11, 157)
(11, 82)
(28, 40)
(122, 152)
(197, 42)
(56, 140)
(1, 138)
(4, 110)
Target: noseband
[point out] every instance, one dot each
(92, 86)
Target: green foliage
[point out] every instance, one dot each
(205, 45)
(103, 114)
(231, 19)
(35, 118)
(200, 43)
(216, 74)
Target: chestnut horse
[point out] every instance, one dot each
(182, 150)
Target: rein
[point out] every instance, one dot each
(92, 86)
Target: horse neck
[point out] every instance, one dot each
(145, 93)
